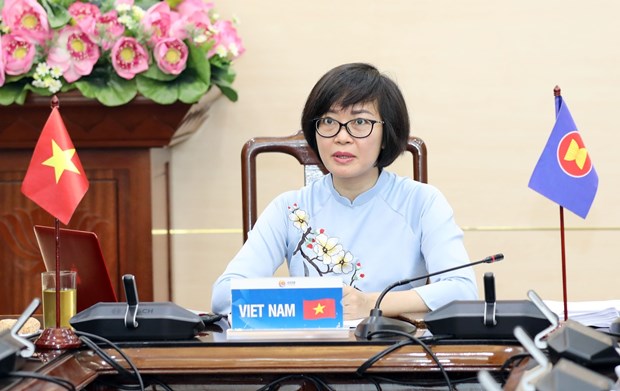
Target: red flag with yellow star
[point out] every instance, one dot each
(319, 309)
(55, 179)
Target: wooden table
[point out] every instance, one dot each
(241, 365)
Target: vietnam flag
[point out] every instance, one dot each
(55, 179)
(319, 309)
(564, 173)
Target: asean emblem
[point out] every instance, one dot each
(573, 157)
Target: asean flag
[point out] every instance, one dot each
(564, 172)
(55, 178)
(319, 309)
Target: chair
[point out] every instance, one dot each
(296, 146)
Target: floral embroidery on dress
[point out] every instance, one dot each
(323, 253)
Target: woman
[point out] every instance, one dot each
(360, 222)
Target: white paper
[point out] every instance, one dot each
(590, 313)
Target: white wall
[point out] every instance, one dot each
(478, 77)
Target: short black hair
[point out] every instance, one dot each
(350, 84)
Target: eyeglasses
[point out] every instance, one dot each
(358, 127)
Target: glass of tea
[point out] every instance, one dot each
(68, 297)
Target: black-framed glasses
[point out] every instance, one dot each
(357, 127)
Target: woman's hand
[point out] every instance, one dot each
(356, 304)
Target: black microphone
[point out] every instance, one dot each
(15, 349)
(138, 321)
(131, 293)
(376, 322)
(489, 300)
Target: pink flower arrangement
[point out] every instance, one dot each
(112, 50)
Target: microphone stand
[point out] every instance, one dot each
(377, 323)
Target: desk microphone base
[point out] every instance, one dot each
(381, 327)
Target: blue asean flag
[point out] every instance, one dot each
(564, 173)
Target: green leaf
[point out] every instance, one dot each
(223, 77)
(226, 88)
(67, 87)
(187, 88)
(161, 92)
(117, 96)
(108, 88)
(145, 4)
(157, 74)
(197, 61)
(173, 3)
(192, 92)
(57, 14)
(13, 78)
(11, 93)
(105, 5)
(222, 71)
(38, 90)
(228, 92)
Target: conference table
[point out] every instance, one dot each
(211, 361)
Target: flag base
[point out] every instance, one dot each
(58, 338)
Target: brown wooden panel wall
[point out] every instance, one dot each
(114, 145)
(117, 207)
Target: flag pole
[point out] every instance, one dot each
(563, 246)
(57, 240)
(57, 337)
(557, 93)
(55, 104)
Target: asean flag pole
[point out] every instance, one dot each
(565, 174)
(55, 180)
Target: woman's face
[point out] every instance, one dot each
(352, 160)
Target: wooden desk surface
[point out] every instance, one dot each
(209, 360)
(305, 358)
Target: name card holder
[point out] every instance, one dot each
(287, 308)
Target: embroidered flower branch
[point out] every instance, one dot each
(325, 254)
(112, 50)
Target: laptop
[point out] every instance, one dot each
(79, 251)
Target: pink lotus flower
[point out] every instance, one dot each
(191, 7)
(18, 54)
(129, 58)
(27, 18)
(157, 21)
(227, 42)
(2, 77)
(74, 53)
(171, 55)
(196, 26)
(98, 48)
(85, 15)
(109, 29)
(194, 21)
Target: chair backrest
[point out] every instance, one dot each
(296, 146)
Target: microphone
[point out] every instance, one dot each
(566, 375)
(575, 341)
(489, 300)
(14, 349)
(376, 322)
(138, 321)
(131, 292)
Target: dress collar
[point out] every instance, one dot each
(365, 196)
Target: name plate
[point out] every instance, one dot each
(286, 303)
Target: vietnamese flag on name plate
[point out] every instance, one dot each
(55, 179)
(564, 172)
(319, 309)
